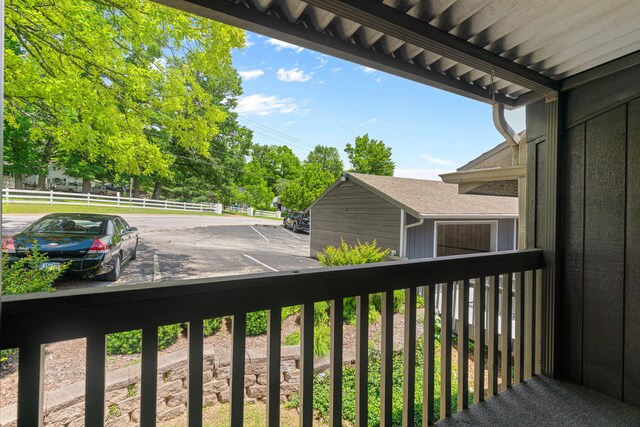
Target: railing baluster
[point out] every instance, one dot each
(529, 320)
(518, 375)
(274, 326)
(538, 322)
(386, 339)
(445, 350)
(362, 360)
(149, 384)
(306, 365)
(409, 388)
(429, 356)
(478, 338)
(239, 328)
(335, 399)
(196, 357)
(505, 341)
(492, 335)
(95, 380)
(30, 384)
(463, 345)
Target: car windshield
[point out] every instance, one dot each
(68, 225)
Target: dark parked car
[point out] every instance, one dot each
(297, 221)
(94, 245)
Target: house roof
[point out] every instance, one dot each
(430, 199)
(513, 52)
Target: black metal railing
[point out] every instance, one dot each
(30, 321)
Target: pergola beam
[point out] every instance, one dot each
(268, 25)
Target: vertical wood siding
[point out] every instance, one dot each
(599, 246)
(420, 239)
(506, 228)
(353, 213)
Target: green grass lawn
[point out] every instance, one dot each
(28, 208)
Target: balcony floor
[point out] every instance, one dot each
(545, 402)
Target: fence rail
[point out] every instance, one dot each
(10, 195)
(29, 321)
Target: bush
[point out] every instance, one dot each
(130, 342)
(211, 326)
(257, 323)
(24, 276)
(321, 339)
(290, 311)
(362, 253)
(321, 390)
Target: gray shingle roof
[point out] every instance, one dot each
(424, 198)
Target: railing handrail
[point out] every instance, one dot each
(59, 316)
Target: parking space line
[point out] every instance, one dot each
(292, 233)
(157, 276)
(259, 233)
(259, 262)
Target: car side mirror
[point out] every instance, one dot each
(132, 229)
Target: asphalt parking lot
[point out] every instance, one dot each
(177, 247)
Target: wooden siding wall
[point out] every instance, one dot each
(352, 212)
(506, 228)
(460, 239)
(598, 310)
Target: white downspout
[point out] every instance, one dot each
(514, 141)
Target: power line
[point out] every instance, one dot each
(277, 135)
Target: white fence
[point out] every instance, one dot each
(253, 212)
(87, 199)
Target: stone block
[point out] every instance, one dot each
(257, 391)
(178, 399)
(262, 379)
(172, 413)
(215, 386)
(249, 380)
(64, 415)
(170, 388)
(222, 372)
(292, 376)
(224, 396)
(256, 368)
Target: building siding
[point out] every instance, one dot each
(354, 213)
(506, 228)
(598, 309)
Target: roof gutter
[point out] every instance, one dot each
(507, 132)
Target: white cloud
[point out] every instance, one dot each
(248, 42)
(293, 75)
(280, 45)
(336, 69)
(437, 161)
(288, 123)
(323, 61)
(250, 74)
(263, 105)
(421, 173)
(371, 121)
(366, 70)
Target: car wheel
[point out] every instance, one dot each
(284, 223)
(295, 227)
(134, 254)
(114, 274)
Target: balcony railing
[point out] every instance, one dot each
(30, 321)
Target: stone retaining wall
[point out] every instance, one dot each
(65, 406)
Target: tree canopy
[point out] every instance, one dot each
(370, 156)
(328, 158)
(120, 85)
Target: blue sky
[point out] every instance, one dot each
(301, 98)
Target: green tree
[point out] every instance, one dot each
(300, 193)
(370, 156)
(328, 158)
(98, 76)
(22, 154)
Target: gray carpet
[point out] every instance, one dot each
(545, 402)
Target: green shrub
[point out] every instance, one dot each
(362, 253)
(24, 276)
(398, 301)
(321, 339)
(257, 323)
(130, 342)
(290, 311)
(321, 390)
(211, 326)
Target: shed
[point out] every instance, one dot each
(415, 218)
